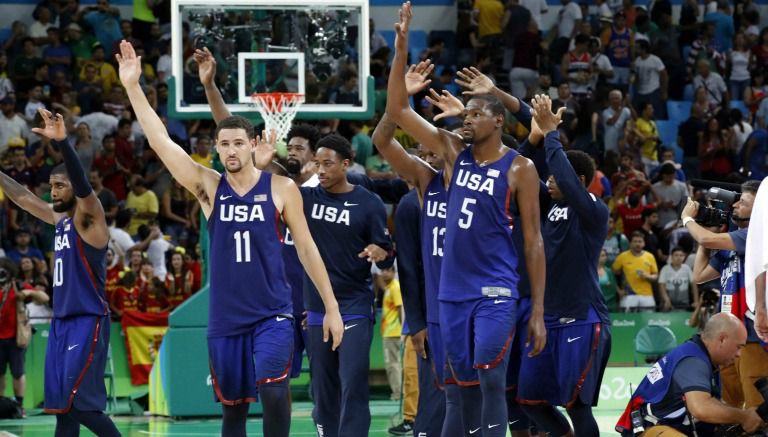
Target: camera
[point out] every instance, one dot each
(712, 215)
(735, 430)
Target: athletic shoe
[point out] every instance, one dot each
(405, 428)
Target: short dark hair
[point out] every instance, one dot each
(637, 234)
(581, 39)
(124, 122)
(492, 103)
(60, 170)
(643, 44)
(304, 131)
(582, 164)
(751, 186)
(123, 217)
(338, 144)
(676, 249)
(647, 212)
(235, 122)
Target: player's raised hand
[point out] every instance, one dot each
(446, 102)
(373, 253)
(265, 148)
(402, 26)
(129, 64)
(537, 333)
(417, 77)
(206, 65)
(546, 121)
(474, 81)
(333, 328)
(54, 126)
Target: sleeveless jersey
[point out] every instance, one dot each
(247, 273)
(432, 241)
(79, 273)
(618, 49)
(479, 258)
(578, 64)
(655, 385)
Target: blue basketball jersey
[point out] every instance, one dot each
(247, 272)
(433, 241)
(79, 272)
(480, 258)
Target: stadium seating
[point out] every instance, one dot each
(654, 340)
(678, 110)
(740, 105)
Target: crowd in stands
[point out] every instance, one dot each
(656, 102)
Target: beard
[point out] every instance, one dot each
(293, 166)
(64, 205)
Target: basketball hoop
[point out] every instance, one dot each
(277, 110)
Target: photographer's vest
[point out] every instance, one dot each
(650, 397)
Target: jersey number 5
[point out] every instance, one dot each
(466, 220)
(243, 246)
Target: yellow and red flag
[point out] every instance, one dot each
(143, 334)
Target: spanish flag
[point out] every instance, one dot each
(143, 334)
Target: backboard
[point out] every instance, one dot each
(319, 48)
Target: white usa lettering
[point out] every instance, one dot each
(330, 214)
(556, 214)
(436, 209)
(241, 213)
(474, 182)
(61, 242)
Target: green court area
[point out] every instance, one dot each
(384, 414)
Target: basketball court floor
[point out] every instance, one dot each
(385, 414)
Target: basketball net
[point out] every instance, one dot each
(277, 110)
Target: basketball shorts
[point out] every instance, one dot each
(572, 363)
(436, 353)
(517, 347)
(240, 363)
(300, 342)
(477, 335)
(74, 364)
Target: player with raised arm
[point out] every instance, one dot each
(489, 184)
(438, 413)
(79, 336)
(578, 325)
(250, 328)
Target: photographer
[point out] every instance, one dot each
(12, 308)
(722, 255)
(679, 395)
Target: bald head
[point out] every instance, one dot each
(724, 336)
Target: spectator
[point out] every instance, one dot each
(602, 71)
(738, 65)
(760, 52)
(377, 40)
(90, 90)
(615, 242)
(104, 21)
(526, 58)
(576, 66)
(24, 64)
(119, 237)
(639, 271)
(34, 104)
(101, 123)
(11, 124)
(179, 279)
(391, 327)
(741, 130)
(154, 296)
(668, 156)
(608, 284)
(126, 295)
(715, 152)
(676, 284)
(572, 108)
(104, 70)
(723, 22)
(38, 30)
(706, 48)
(362, 145)
(688, 137)
(614, 118)
(514, 24)
(20, 171)
(650, 217)
(105, 195)
(144, 203)
(713, 84)
(6, 86)
(57, 55)
(568, 21)
(124, 147)
(177, 212)
(86, 147)
(23, 247)
(651, 80)
(109, 167)
(80, 44)
(648, 137)
(202, 154)
(619, 42)
(755, 155)
(671, 192)
(156, 249)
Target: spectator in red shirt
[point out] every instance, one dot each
(111, 169)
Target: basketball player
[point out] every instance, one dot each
(478, 282)
(578, 328)
(250, 328)
(423, 315)
(349, 224)
(79, 335)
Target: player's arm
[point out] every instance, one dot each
(199, 180)
(293, 215)
(414, 170)
(26, 199)
(207, 71)
(477, 83)
(526, 182)
(445, 144)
